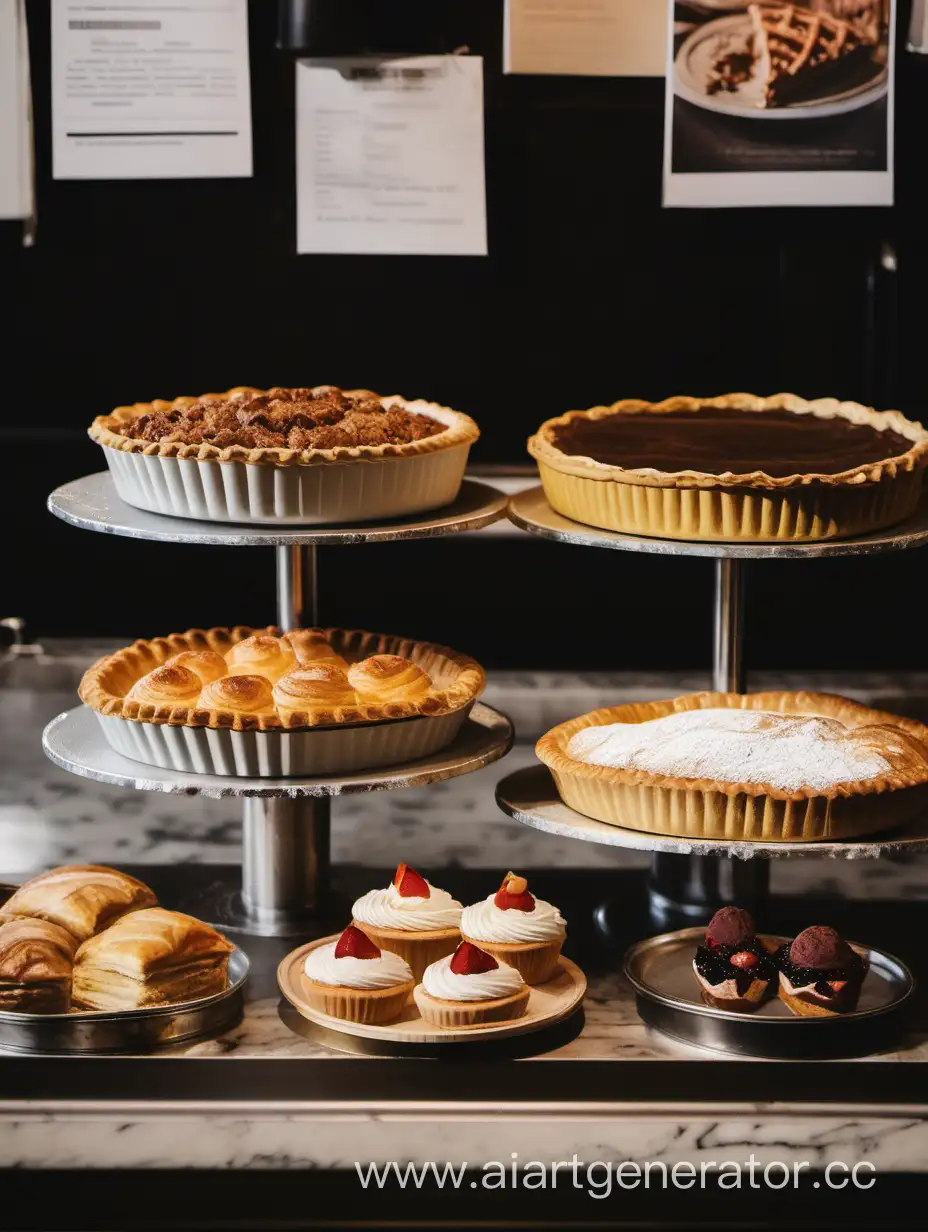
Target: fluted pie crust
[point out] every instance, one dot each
(459, 429)
(728, 811)
(457, 680)
(754, 506)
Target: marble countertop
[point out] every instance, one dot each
(48, 817)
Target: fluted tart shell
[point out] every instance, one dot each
(751, 507)
(749, 812)
(107, 687)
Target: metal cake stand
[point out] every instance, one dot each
(684, 885)
(287, 822)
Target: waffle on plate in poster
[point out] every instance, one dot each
(766, 59)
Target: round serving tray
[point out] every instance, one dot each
(548, 1004)
(75, 742)
(95, 1031)
(660, 970)
(530, 510)
(92, 504)
(530, 797)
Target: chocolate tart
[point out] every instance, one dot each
(310, 456)
(733, 469)
(700, 808)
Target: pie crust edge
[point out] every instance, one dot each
(552, 747)
(132, 662)
(541, 445)
(460, 429)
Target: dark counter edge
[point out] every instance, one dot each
(295, 1082)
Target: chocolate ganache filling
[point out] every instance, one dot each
(718, 442)
(801, 977)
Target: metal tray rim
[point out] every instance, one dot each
(707, 1011)
(238, 956)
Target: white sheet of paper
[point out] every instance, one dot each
(15, 126)
(143, 89)
(586, 38)
(389, 156)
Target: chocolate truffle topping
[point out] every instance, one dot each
(730, 926)
(821, 948)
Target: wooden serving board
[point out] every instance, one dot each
(548, 1003)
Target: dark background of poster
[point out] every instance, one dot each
(591, 292)
(707, 141)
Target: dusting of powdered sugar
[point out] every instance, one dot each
(788, 752)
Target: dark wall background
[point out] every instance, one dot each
(591, 292)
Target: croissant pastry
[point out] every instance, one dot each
(35, 966)
(81, 898)
(262, 654)
(311, 647)
(325, 685)
(207, 665)
(150, 957)
(174, 684)
(389, 678)
(244, 694)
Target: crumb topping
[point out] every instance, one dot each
(284, 419)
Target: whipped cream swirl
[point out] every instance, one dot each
(388, 909)
(349, 972)
(441, 982)
(484, 921)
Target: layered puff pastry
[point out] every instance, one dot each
(149, 958)
(271, 680)
(36, 958)
(83, 899)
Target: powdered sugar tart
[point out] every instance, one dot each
(304, 455)
(776, 767)
(733, 468)
(242, 701)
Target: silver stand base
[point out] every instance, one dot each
(285, 862)
(686, 890)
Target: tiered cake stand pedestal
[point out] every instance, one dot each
(287, 821)
(690, 878)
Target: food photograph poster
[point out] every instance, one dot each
(779, 104)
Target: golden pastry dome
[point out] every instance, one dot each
(261, 654)
(311, 647)
(389, 678)
(170, 683)
(206, 664)
(326, 684)
(245, 694)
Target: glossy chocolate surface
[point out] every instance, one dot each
(718, 442)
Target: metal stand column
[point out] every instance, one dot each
(286, 843)
(688, 889)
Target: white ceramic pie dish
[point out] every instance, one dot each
(406, 479)
(319, 751)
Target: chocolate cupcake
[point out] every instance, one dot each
(734, 968)
(820, 974)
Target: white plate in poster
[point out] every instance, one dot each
(698, 54)
(548, 1004)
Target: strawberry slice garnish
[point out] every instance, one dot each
(744, 960)
(513, 895)
(469, 959)
(409, 884)
(355, 944)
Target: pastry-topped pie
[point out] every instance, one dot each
(776, 767)
(295, 455)
(733, 468)
(307, 701)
